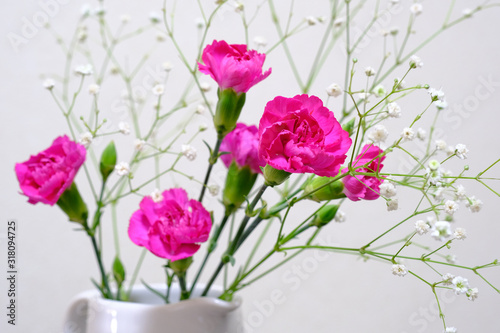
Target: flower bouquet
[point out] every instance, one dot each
(226, 181)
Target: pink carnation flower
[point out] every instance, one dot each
(172, 227)
(300, 135)
(233, 66)
(242, 143)
(45, 177)
(365, 187)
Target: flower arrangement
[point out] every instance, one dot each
(288, 176)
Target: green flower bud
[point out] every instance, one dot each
(72, 204)
(349, 126)
(274, 176)
(108, 161)
(239, 183)
(325, 215)
(227, 111)
(118, 271)
(325, 192)
(181, 266)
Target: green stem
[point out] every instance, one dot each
(211, 162)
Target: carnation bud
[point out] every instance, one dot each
(325, 215)
(228, 110)
(323, 189)
(118, 271)
(349, 126)
(239, 183)
(108, 161)
(274, 176)
(72, 204)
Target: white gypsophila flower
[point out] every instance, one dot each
(260, 41)
(86, 139)
(334, 90)
(467, 12)
(189, 152)
(399, 270)
(460, 193)
(156, 195)
(205, 86)
(408, 134)
(436, 94)
(161, 37)
(124, 128)
(447, 278)
(378, 134)
(49, 84)
(460, 233)
(441, 230)
(214, 189)
(421, 227)
(416, 9)
(450, 150)
(114, 70)
(363, 96)
(416, 62)
(100, 11)
(450, 207)
(384, 33)
(339, 21)
(203, 127)
(85, 10)
(392, 204)
(461, 285)
(439, 194)
(167, 66)
(450, 330)
(199, 22)
(84, 70)
(472, 294)
(440, 145)
(154, 17)
(159, 89)
(421, 134)
(94, 89)
(394, 31)
(474, 204)
(340, 216)
(311, 20)
(441, 105)
(321, 19)
(447, 175)
(433, 176)
(387, 189)
(122, 169)
(369, 71)
(125, 18)
(434, 165)
(139, 144)
(379, 91)
(452, 259)
(394, 110)
(239, 7)
(200, 109)
(461, 151)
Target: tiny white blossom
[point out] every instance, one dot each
(124, 128)
(394, 31)
(260, 41)
(452, 259)
(408, 134)
(399, 270)
(167, 66)
(384, 32)
(387, 189)
(440, 145)
(339, 21)
(401, 84)
(189, 152)
(416, 9)
(100, 11)
(156, 195)
(394, 110)
(86, 139)
(450, 207)
(460, 192)
(434, 176)
(239, 7)
(380, 91)
(205, 86)
(48, 84)
(461, 151)
(200, 109)
(85, 10)
(421, 134)
(441, 104)
(363, 96)
(392, 204)
(441, 230)
(472, 294)
(94, 89)
(203, 127)
(125, 18)
(114, 70)
(378, 134)
(461, 285)
(214, 189)
(154, 17)
(369, 71)
(422, 227)
(416, 62)
(447, 278)
(334, 90)
(460, 233)
(311, 20)
(139, 144)
(340, 216)
(436, 94)
(450, 150)
(474, 204)
(84, 70)
(159, 89)
(122, 169)
(467, 12)
(161, 37)
(439, 194)
(450, 330)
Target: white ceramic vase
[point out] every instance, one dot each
(147, 313)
